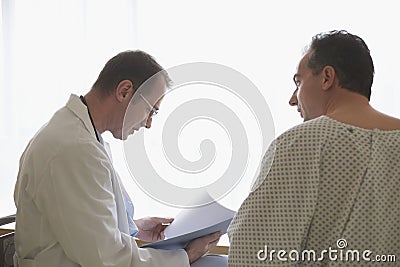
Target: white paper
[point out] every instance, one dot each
(193, 223)
(194, 219)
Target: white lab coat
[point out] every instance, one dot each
(69, 198)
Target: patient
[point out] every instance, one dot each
(328, 189)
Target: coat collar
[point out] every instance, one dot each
(80, 110)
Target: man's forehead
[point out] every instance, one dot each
(302, 65)
(304, 60)
(156, 94)
(154, 87)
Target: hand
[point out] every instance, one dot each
(200, 246)
(151, 229)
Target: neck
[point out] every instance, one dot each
(344, 103)
(348, 107)
(98, 112)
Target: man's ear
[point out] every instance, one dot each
(124, 90)
(328, 77)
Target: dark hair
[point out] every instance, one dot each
(136, 66)
(348, 54)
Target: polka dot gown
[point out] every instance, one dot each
(322, 184)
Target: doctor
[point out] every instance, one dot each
(72, 209)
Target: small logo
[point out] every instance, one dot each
(341, 243)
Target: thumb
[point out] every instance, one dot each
(163, 220)
(167, 220)
(214, 237)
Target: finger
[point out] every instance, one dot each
(215, 236)
(162, 235)
(159, 232)
(165, 221)
(210, 238)
(213, 243)
(163, 227)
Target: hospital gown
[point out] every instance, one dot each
(323, 185)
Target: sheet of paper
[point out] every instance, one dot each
(194, 219)
(193, 223)
(182, 240)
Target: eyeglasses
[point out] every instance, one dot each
(153, 110)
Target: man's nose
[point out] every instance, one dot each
(148, 123)
(293, 98)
